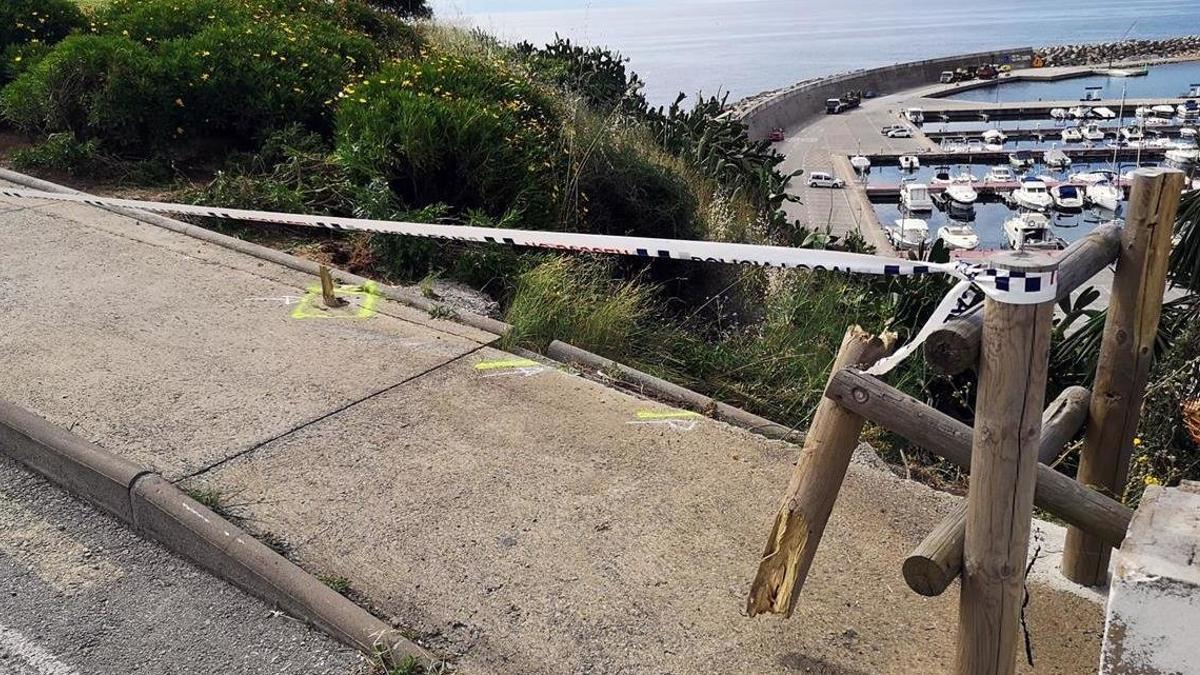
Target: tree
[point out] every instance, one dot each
(416, 9)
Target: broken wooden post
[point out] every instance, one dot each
(328, 293)
(1004, 461)
(939, 433)
(1126, 352)
(954, 347)
(937, 561)
(814, 486)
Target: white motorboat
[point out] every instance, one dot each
(1165, 111)
(914, 115)
(1094, 176)
(915, 197)
(1066, 197)
(1080, 112)
(994, 136)
(1132, 132)
(1143, 111)
(1059, 113)
(1103, 195)
(1157, 122)
(1031, 231)
(1092, 132)
(1183, 157)
(1188, 132)
(999, 174)
(1071, 135)
(959, 236)
(962, 193)
(1056, 159)
(1032, 194)
(909, 233)
(1104, 113)
(909, 162)
(1188, 110)
(1021, 159)
(860, 163)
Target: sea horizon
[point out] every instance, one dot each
(743, 47)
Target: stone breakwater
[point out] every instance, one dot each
(1125, 50)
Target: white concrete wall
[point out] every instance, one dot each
(1153, 622)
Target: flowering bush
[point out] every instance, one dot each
(454, 130)
(48, 21)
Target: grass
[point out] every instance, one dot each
(339, 584)
(210, 498)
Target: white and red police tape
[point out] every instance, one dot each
(1013, 287)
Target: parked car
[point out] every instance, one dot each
(822, 179)
(900, 132)
(890, 128)
(776, 135)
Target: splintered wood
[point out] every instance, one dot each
(814, 486)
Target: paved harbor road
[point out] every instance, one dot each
(82, 595)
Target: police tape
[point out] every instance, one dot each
(1013, 287)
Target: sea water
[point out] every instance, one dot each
(747, 46)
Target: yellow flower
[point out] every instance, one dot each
(1137, 442)
(1151, 480)
(179, 102)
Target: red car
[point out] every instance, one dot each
(776, 135)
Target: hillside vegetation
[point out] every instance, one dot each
(365, 109)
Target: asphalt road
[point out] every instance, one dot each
(81, 594)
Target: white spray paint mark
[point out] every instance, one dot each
(194, 512)
(676, 424)
(41, 661)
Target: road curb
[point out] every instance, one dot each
(154, 508)
(566, 353)
(484, 323)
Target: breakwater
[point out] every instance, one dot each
(1123, 50)
(805, 101)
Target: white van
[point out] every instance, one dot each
(822, 179)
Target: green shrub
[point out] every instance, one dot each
(88, 85)
(61, 152)
(19, 58)
(452, 130)
(244, 81)
(577, 300)
(47, 21)
(623, 191)
(153, 22)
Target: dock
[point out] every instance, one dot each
(949, 110)
(890, 191)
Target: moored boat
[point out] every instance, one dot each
(1103, 195)
(910, 162)
(915, 197)
(860, 163)
(1071, 135)
(959, 236)
(1032, 194)
(1031, 231)
(1066, 197)
(1021, 159)
(999, 174)
(1056, 159)
(909, 233)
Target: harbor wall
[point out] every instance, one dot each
(1124, 50)
(804, 101)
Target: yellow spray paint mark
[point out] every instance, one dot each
(498, 364)
(650, 415)
(362, 303)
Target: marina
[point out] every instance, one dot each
(927, 163)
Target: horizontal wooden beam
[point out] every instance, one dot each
(954, 347)
(937, 561)
(939, 433)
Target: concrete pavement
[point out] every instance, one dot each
(83, 594)
(519, 518)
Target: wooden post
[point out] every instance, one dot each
(327, 291)
(954, 347)
(937, 561)
(939, 433)
(1004, 460)
(1126, 352)
(815, 483)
